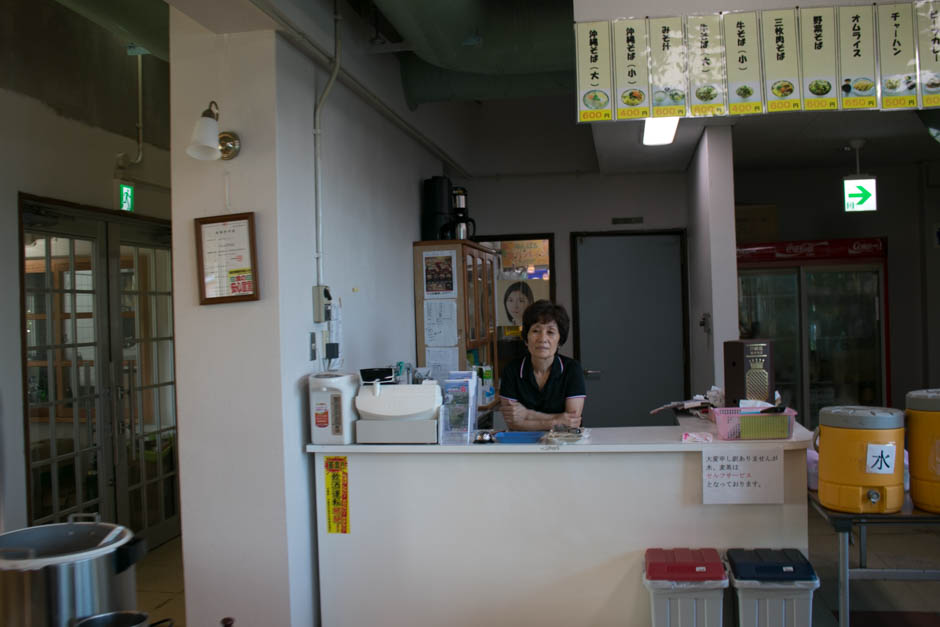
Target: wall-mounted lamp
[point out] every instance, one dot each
(207, 143)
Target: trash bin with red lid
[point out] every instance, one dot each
(686, 587)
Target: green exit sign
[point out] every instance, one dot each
(859, 193)
(125, 197)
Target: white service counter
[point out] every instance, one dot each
(498, 534)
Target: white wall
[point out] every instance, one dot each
(246, 484)
(47, 155)
(563, 204)
(712, 256)
(815, 211)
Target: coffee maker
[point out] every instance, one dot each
(444, 211)
(461, 226)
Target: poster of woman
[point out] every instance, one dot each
(514, 295)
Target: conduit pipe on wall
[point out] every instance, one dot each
(121, 160)
(312, 51)
(317, 139)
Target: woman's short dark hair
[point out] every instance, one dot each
(518, 286)
(543, 312)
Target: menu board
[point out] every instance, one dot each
(668, 79)
(742, 42)
(780, 48)
(928, 45)
(706, 65)
(898, 56)
(818, 45)
(592, 41)
(631, 69)
(858, 84)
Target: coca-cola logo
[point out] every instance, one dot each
(802, 249)
(865, 247)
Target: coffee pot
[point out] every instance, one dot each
(462, 226)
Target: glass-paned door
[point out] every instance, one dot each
(844, 344)
(100, 401)
(769, 307)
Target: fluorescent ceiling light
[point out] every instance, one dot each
(659, 131)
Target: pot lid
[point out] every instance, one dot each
(860, 417)
(33, 548)
(923, 400)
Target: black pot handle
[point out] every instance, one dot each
(129, 554)
(166, 621)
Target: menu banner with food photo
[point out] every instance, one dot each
(780, 48)
(668, 64)
(440, 273)
(592, 41)
(742, 45)
(858, 81)
(513, 296)
(928, 46)
(897, 52)
(706, 66)
(819, 59)
(631, 69)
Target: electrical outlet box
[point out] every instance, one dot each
(322, 302)
(332, 350)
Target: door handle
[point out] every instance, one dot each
(592, 373)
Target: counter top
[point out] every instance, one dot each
(602, 440)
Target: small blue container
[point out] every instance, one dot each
(519, 437)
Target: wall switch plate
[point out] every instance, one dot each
(322, 301)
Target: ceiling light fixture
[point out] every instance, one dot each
(207, 143)
(659, 131)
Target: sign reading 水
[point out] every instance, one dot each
(742, 475)
(881, 459)
(859, 193)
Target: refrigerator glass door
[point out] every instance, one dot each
(845, 352)
(769, 307)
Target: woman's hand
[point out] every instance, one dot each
(514, 412)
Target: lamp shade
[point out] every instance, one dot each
(204, 144)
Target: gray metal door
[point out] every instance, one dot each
(100, 389)
(630, 306)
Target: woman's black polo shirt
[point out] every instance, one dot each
(566, 380)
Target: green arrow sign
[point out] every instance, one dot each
(864, 195)
(859, 193)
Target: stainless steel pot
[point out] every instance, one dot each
(52, 574)
(122, 619)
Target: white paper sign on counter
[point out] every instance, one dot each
(742, 475)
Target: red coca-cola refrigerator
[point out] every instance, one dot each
(823, 305)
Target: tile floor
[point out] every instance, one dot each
(160, 578)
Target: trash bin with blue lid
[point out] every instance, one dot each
(774, 587)
(686, 587)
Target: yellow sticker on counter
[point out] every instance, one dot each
(337, 494)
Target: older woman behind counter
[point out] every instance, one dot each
(543, 388)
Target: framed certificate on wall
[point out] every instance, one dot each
(225, 256)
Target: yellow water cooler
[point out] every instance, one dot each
(923, 425)
(861, 459)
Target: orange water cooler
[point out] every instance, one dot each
(861, 459)
(923, 426)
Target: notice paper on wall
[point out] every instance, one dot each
(440, 322)
(742, 475)
(441, 361)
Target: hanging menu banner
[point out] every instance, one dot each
(780, 47)
(898, 56)
(858, 82)
(818, 39)
(706, 65)
(592, 41)
(668, 80)
(631, 69)
(928, 45)
(742, 42)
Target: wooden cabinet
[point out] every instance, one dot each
(460, 275)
